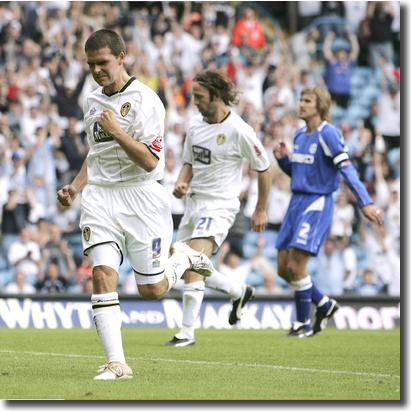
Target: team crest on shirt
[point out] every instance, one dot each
(125, 108)
(221, 139)
(86, 233)
(313, 148)
(92, 111)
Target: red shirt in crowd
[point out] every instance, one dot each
(251, 30)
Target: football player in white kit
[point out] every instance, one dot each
(217, 143)
(124, 210)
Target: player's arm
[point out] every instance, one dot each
(281, 154)
(183, 180)
(68, 193)
(136, 151)
(348, 171)
(259, 218)
(333, 146)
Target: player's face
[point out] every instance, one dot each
(308, 106)
(104, 66)
(202, 101)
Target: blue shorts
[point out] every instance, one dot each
(306, 223)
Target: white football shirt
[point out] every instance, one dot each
(217, 152)
(141, 114)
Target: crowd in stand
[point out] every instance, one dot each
(44, 77)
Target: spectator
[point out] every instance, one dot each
(85, 270)
(278, 201)
(19, 285)
(57, 251)
(24, 255)
(87, 286)
(53, 281)
(355, 13)
(307, 12)
(247, 32)
(363, 36)
(350, 262)
(73, 146)
(388, 124)
(368, 286)
(381, 15)
(329, 275)
(12, 222)
(382, 258)
(170, 178)
(343, 217)
(42, 176)
(229, 263)
(67, 94)
(363, 156)
(339, 69)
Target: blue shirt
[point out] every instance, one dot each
(317, 161)
(338, 77)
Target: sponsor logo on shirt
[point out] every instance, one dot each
(201, 154)
(302, 158)
(100, 135)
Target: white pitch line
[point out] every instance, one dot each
(217, 363)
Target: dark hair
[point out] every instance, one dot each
(105, 38)
(218, 84)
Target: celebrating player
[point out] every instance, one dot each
(217, 143)
(319, 156)
(124, 211)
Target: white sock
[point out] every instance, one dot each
(107, 317)
(301, 285)
(220, 282)
(175, 267)
(192, 298)
(323, 301)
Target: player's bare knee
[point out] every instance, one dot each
(291, 271)
(151, 292)
(191, 277)
(104, 279)
(282, 270)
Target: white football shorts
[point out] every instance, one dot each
(206, 217)
(136, 218)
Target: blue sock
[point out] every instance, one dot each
(302, 296)
(320, 299)
(303, 305)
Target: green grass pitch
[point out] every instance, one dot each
(223, 365)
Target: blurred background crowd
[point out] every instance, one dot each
(271, 50)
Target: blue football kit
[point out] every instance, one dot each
(315, 166)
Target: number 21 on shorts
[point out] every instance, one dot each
(204, 224)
